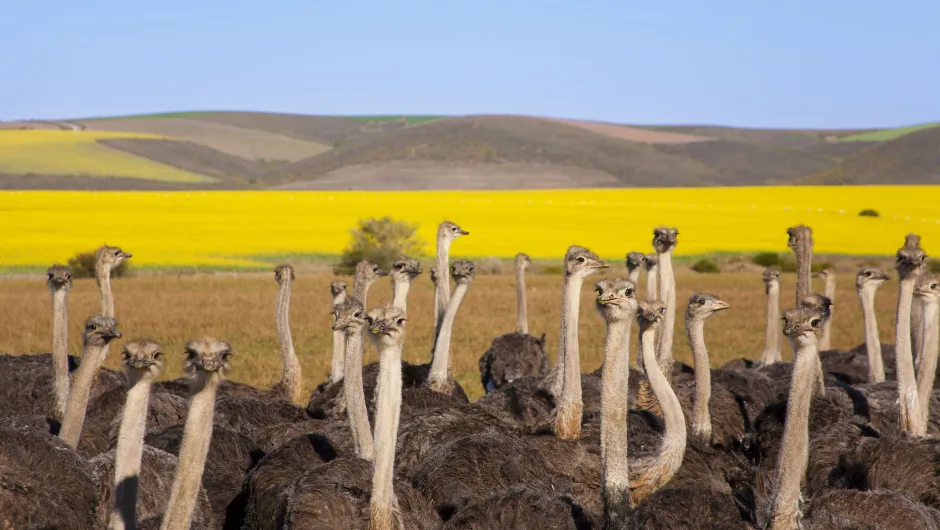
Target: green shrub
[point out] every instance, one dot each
(787, 264)
(381, 241)
(82, 265)
(767, 259)
(705, 265)
(868, 212)
(552, 269)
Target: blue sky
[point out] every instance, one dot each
(799, 63)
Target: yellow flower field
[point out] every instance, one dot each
(78, 153)
(237, 229)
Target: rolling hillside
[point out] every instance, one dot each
(258, 150)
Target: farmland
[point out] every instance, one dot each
(251, 230)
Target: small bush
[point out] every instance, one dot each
(767, 259)
(868, 212)
(934, 265)
(83, 266)
(490, 265)
(705, 265)
(552, 269)
(381, 241)
(787, 264)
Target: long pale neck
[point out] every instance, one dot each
(917, 328)
(383, 506)
(666, 463)
(912, 420)
(355, 395)
(60, 351)
(771, 353)
(928, 356)
(85, 375)
(443, 280)
(652, 291)
(794, 452)
(290, 381)
(825, 340)
(615, 385)
(361, 290)
(439, 378)
(557, 374)
(633, 275)
(338, 365)
(127, 455)
(103, 278)
(804, 273)
(522, 318)
(876, 368)
(701, 415)
(567, 424)
(400, 288)
(437, 309)
(197, 433)
(667, 293)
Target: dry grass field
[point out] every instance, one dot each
(240, 309)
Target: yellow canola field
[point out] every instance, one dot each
(237, 229)
(55, 152)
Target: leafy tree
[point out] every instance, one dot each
(380, 240)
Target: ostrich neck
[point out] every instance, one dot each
(361, 290)
(127, 455)
(443, 280)
(85, 375)
(633, 275)
(912, 421)
(771, 352)
(197, 433)
(355, 395)
(928, 356)
(794, 452)
(825, 341)
(400, 288)
(667, 293)
(804, 274)
(652, 291)
(672, 449)
(338, 365)
(701, 416)
(522, 319)
(614, 386)
(557, 374)
(876, 369)
(437, 309)
(60, 351)
(103, 277)
(383, 506)
(567, 424)
(289, 385)
(439, 378)
(917, 328)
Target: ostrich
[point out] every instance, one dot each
(439, 378)
(338, 291)
(60, 282)
(800, 241)
(447, 232)
(209, 360)
(651, 264)
(771, 353)
(664, 241)
(351, 319)
(867, 281)
(828, 276)
(99, 332)
(928, 293)
(617, 305)
(366, 274)
(289, 386)
(404, 271)
(142, 364)
(106, 260)
(912, 241)
(634, 262)
(566, 386)
(521, 263)
(910, 265)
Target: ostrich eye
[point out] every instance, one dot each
(399, 266)
(868, 273)
(701, 302)
(401, 321)
(357, 314)
(814, 323)
(933, 286)
(580, 259)
(628, 292)
(453, 229)
(157, 355)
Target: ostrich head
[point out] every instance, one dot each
(703, 305)
(386, 326)
(825, 274)
(615, 299)
(337, 287)
(368, 272)
(771, 277)
(462, 271)
(59, 278)
(927, 288)
(449, 231)
(664, 239)
(649, 314)
(433, 274)
(142, 355)
(348, 315)
(634, 260)
(100, 330)
(523, 261)
(801, 325)
(109, 257)
(870, 277)
(910, 262)
(208, 355)
(650, 261)
(405, 269)
(798, 236)
(581, 262)
(283, 273)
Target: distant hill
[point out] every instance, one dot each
(259, 150)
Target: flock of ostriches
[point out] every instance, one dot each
(835, 439)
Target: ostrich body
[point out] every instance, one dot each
(928, 294)
(828, 276)
(517, 355)
(209, 360)
(664, 241)
(404, 271)
(439, 379)
(771, 353)
(634, 263)
(337, 371)
(651, 264)
(579, 264)
(447, 232)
